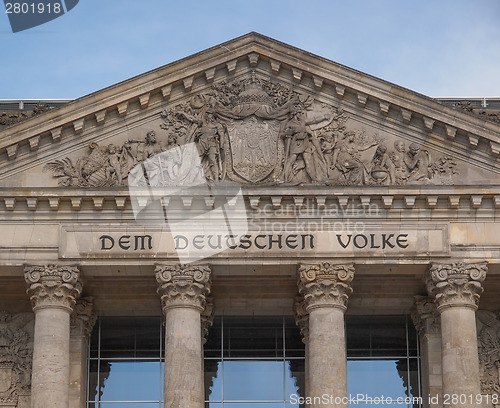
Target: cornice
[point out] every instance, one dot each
(407, 198)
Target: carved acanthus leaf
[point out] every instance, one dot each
(425, 316)
(183, 285)
(456, 284)
(53, 285)
(325, 284)
(83, 317)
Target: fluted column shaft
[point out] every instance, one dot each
(326, 288)
(457, 288)
(53, 291)
(183, 290)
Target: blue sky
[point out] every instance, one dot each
(435, 47)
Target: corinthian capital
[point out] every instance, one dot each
(53, 286)
(325, 284)
(183, 285)
(207, 318)
(83, 317)
(301, 317)
(425, 316)
(456, 284)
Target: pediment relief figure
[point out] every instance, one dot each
(258, 132)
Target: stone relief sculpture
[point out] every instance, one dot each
(255, 131)
(489, 351)
(16, 352)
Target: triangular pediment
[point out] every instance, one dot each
(259, 112)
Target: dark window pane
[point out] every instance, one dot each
(213, 346)
(253, 337)
(376, 336)
(293, 340)
(130, 337)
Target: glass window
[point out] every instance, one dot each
(126, 363)
(382, 360)
(250, 362)
(253, 361)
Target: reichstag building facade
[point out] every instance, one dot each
(252, 226)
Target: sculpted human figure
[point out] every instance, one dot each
(302, 150)
(382, 164)
(347, 160)
(144, 149)
(399, 157)
(114, 165)
(208, 137)
(418, 162)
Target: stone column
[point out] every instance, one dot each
(53, 290)
(302, 321)
(183, 290)
(326, 288)
(82, 322)
(426, 320)
(457, 288)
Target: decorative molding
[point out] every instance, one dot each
(183, 285)
(275, 65)
(231, 66)
(297, 74)
(340, 90)
(362, 98)
(56, 134)
(325, 284)
(100, 116)
(144, 100)
(53, 286)
(12, 151)
(166, 91)
(406, 115)
(122, 108)
(253, 59)
(384, 107)
(34, 142)
(318, 82)
(429, 124)
(78, 125)
(210, 74)
(457, 284)
(188, 83)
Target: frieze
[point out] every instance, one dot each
(257, 132)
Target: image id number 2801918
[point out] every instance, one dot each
(32, 8)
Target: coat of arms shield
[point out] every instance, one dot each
(253, 145)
